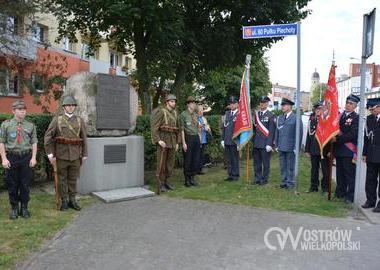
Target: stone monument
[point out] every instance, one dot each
(108, 105)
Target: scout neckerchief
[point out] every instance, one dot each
(260, 125)
(18, 132)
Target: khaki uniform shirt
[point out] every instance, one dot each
(169, 118)
(189, 122)
(8, 135)
(69, 128)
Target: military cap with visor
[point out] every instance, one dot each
(18, 104)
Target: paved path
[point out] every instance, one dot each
(163, 233)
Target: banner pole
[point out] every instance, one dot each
(247, 166)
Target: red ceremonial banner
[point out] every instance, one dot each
(328, 122)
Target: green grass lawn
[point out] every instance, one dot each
(20, 237)
(212, 187)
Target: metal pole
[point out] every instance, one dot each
(359, 163)
(298, 114)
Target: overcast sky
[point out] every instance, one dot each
(333, 24)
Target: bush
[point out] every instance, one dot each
(43, 169)
(213, 148)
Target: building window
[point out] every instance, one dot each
(114, 60)
(39, 32)
(9, 83)
(38, 82)
(84, 49)
(68, 45)
(9, 24)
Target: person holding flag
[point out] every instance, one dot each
(328, 124)
(263, 140)
(346, 150)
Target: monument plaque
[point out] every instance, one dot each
(112, 102)
(115, 153)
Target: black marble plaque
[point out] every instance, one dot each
(115, 153)
(112, 102)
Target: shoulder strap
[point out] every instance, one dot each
(59, 120)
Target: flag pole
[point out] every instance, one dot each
(331, 158)
(247, 154)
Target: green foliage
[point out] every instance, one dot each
(318, 92)
(43, 169)
(223, 82)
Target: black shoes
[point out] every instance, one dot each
(187, 184)
(169, 187)
(376, 209)
(312, 190)
(24, 211)
(229, 179)
(14, 212)
(74, 205)
(283, 186)
(368, 205)
(64, 205)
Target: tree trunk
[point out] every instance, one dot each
(180, 79)
(158, 94)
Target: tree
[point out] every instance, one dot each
(174, 41)
(219, 84)
(318, 92)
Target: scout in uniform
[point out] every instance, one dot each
(371, 155)
(66, 144)
(166, 135)
(18, 150)
(286, 143)
(190, 142)
(313, 151)
(230, 147)
(346, 150)
(265, 128)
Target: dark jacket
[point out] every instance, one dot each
(371, 147)
(268, 120)
(312, 145)
(228, 128)
(348, 126)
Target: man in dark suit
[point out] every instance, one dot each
(228, 144)
(313, 151)
(371, 155)
(286, 143)
(265, 127)
(346, 150)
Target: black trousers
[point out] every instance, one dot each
(316, 163)
(232, 155)
(345, 178)
(18, 177)
(191, 157)
(372, 182)
(261, 164)
(202, 157)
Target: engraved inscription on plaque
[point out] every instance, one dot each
(115, 153)
(112, 102)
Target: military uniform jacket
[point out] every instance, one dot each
(348, 135)
(264, 130)
(286, 133)
(372, 140)
(69, 128)
(8, 135)
(160, 119)
(228, 128)
(312, 145)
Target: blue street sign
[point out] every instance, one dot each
(265, 31)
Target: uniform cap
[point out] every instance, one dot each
(286, 101)
(170, 97)
(69, 100)
(318, 104)
(18, 104)
(353, 98)
(264, 99)
(233, 99)
(190, 99)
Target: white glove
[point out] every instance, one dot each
(222, 143)
(268, 148)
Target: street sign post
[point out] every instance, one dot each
(282, 30)
(367, 49)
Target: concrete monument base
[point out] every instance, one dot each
(113, 163)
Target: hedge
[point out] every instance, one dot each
(43, 170)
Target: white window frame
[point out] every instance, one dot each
(34, 81)
(115, 60)
(68, 45)
(36, 32)
(84, 48)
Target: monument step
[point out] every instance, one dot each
(124, 194)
